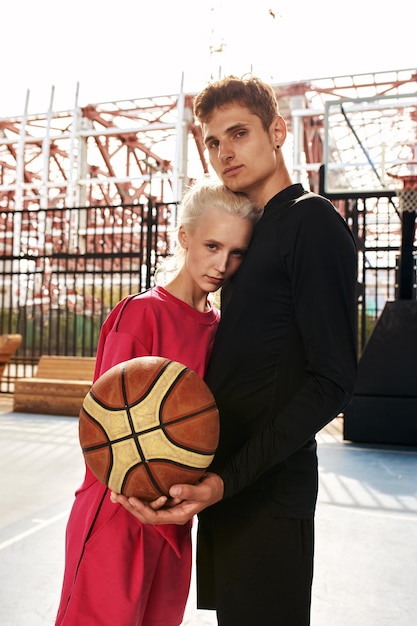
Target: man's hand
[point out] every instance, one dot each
(185, 501)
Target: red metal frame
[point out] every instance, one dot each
(124, 152)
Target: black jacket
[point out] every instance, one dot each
(284, 359)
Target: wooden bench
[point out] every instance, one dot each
(8, 346)
(58, 388)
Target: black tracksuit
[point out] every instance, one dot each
(283, 365)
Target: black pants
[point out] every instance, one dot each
(255, 570)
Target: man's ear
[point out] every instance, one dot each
(278, 129)
(182, 237)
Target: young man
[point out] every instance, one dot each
(283, 366)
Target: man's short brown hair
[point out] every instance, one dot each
(252, 93)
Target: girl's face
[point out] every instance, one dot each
(216, 248)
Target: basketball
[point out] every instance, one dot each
(146, 424)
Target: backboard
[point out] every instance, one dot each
(364, 138)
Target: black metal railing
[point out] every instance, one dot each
(62, 270)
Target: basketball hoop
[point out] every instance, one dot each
(407, 194)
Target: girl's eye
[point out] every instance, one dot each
(211, 246)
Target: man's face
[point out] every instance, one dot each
(241, 151)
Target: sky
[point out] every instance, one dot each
(121, 49)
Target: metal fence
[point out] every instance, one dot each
(377, 227)
(63, 269)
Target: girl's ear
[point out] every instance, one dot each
(182, 237)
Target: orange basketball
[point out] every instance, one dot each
(147, 424)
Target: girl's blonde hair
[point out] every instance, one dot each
(203, 194)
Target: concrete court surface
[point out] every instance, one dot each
(366, 537)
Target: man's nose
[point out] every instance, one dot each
(225, 151)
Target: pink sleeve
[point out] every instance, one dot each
(116, 348)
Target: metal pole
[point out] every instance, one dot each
(406, 280)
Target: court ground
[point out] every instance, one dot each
(366, 538)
